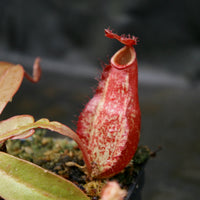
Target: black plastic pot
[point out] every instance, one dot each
(135, 190)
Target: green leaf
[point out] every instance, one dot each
(23, 180)
(13, 127)
(22, 127)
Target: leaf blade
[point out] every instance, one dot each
(10, 81)
(23, 125)
(13, 127)
(28, 181)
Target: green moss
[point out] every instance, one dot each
(53, 154)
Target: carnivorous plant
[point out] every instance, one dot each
(107, 133)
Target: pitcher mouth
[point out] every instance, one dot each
(123, 58)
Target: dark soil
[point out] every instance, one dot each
(58, 156)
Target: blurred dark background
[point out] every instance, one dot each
(168, 30)
(69, 37)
